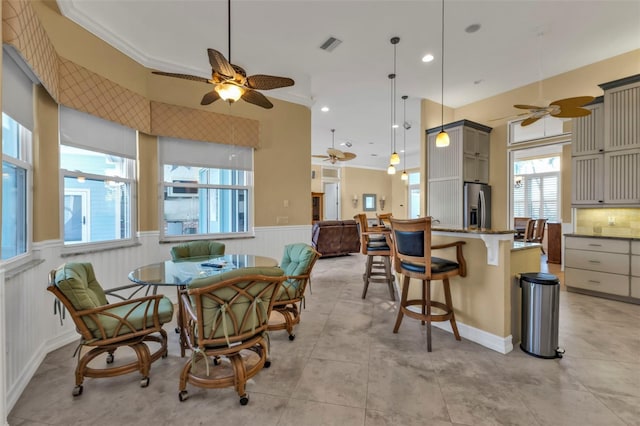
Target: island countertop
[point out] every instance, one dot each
(474, 230)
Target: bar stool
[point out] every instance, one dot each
(412, 258)
(373, 242)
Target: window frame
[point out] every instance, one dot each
(163, 185)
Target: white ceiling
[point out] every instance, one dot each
(519, 42)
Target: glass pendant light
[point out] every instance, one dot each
(404, 175)
(442, 140)
(395, 158)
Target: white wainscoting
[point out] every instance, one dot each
(31, 329)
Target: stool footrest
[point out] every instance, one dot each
(446, 316)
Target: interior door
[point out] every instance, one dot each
(331, 201)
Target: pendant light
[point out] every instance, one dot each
(442, 140)
(405, 175)
(395, 158)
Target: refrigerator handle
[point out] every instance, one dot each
(483, 220)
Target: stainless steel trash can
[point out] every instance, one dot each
(540, 312)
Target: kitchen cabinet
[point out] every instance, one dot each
(554, 243)
(317, 206)
(635, 269)
(466, 159)
(606, 148)
(598, 266)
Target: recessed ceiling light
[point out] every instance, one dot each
(427, 58)
(324, 109)
(472, 28)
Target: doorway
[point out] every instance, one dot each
(331, 200)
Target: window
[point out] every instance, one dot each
(97, 161)
(207, 188)
(536, 188)
(17, 125)
(414, 195)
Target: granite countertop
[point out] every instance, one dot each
(521, 245)
(474, 230)
(609, 237)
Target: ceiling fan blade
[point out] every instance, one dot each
(320, 156)
(520, 106)
(210, 98)
(510, 116)
(348, 156)
(529, 120)
(183, 76)
(220, 64)
(256, 98)
(571, 113)
(573, 102)
(335, 153)
(268, 82)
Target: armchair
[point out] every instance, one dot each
(297, 262)
(197, 249)
(226, 316)
(105, 327)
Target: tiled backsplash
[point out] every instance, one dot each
(618, 222)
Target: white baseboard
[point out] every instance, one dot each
(504, 345)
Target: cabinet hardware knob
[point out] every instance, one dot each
(594, 261)
(595, 245)
(594, 281)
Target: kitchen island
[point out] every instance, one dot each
(487, 301)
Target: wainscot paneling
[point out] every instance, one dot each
(32, 331)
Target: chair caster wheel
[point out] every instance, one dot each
(177, 330)
(110, 359)
(267, 364)
(244, 400)
(144, 382)
(292, 337)
(77, 391)
(165, 354)
(183, 396)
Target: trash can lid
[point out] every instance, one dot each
(539, 278)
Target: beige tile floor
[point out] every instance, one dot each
(346, 367)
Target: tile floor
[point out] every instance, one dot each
(346, 367)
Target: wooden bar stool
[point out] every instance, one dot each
(412, 258)
(374, 242)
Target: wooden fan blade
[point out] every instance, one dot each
(571, 113)
(183, 76)
(220, 64)
(335, 153)
(348, 156)
(510, 116)
(257, 98)
(320, 156)
(530, 120)
(210, 98)
(268, 82)
(573, 102)
(520, 106)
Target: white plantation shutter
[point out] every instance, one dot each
(538, 197)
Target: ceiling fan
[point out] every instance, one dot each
(562, 108)
(230, 81)
(334, 155)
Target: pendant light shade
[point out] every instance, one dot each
(391, 170)
(405, 175)
(442, 140)
(395, 158)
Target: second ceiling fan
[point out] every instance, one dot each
(230, 81)
(334, 155)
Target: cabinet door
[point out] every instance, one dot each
(588, 132)
(622, 109)
(445, 202)
(476, 169)
(587, 179)
(622, 177)
(445, 162)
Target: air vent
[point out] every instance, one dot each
(330, 44)
(330, 173)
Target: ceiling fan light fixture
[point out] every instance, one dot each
(442, 140)
(229, 91)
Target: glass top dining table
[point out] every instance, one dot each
(181, 272)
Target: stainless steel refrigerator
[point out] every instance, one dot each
(477, 205)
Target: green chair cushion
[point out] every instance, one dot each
(197, 249)
(77, 281)
(136, 317)
(211, 309)
(295, 261)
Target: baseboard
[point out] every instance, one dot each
(504, 345)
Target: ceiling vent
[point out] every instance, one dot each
(330, 44)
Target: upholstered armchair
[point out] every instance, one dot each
(297, 263)
(225, 320)
(197, 249)
(105, 327)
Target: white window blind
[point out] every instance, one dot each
(205, 154)
(85, 131)
(17, 92)
(537, 196)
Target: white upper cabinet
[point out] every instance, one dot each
(622, 112)
(588, 132)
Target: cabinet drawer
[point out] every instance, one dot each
(597, 261)
(635, 266)
(597, 281)
(635, 247)
(635, 287)
(597, 244)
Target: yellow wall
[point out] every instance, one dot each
(365, 181)
(285, 130)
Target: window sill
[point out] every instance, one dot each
(208, 237)
(15, 269)
(97, 247)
